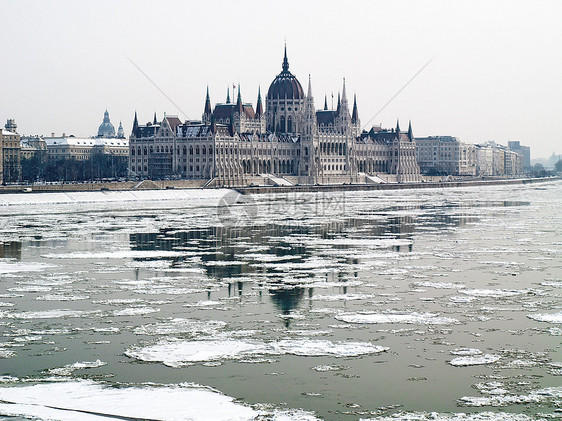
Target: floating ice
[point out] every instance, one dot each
(116, 254)
(466, 351)
(16, 267)
(175, 326)
(549, 318)
(178, 353)
(440, 285)
(135, 311)
(536, 396)
(459, 416)
(473, 360)
(87, 400)
(49, 314)
(6, 353)
(341, 297)
(61, 297)
(412, 318)
(67, 370)
(492, 293)
(204, 303)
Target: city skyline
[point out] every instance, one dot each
(494, 76)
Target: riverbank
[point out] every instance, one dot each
(200, 184)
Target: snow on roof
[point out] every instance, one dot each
(7, 133)
(86, 142)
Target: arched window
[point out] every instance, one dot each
(204, 150)
(197, 152)
(282, 124)
(133, 152)
(306, 151)
(184, 150)
(145, 151)
(289, 125)
(210, 150)
(191, 150)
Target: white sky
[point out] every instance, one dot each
(497, 72)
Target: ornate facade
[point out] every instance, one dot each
(287, 143)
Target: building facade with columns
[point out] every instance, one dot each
(287, 141)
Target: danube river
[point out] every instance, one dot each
(441, 304)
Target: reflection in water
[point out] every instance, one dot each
(287, 300)
(10, 250)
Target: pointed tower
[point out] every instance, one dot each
(310, 112)
(120, 131)
(354, 114)
(285, 61)
(239, 106)
(135, 125)
(397, 127)
(325, 103)
(259, 106)
(339, 104)
(228, 95)
(207, 110)
(410, 132)
(155, 120)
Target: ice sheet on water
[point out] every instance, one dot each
(203, 303)
(459, 416)
(179, 325)
(492, 293)
(68, 369)
(341, 297)
(86, 400)
(440, 285)
(412, 318)
(49, 314)
(466, 351)
(16, 267)
(116, 254)
(548, 395)
(6, 353)
(549, 318)
(474, 360)
(61, 297)
(178, 353)
(135, 311)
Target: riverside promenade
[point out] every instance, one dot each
(201, 184)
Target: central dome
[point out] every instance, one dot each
(285, 84)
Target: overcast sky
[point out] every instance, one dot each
(496, 72)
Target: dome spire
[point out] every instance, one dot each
(285, 61)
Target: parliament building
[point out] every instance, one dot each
(286, 142)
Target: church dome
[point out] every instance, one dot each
(106, 129)
(285, 84)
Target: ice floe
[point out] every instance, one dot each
(68, 369)
(471, 359)
(412, 318)
(87, 400)
(549, 318)
(545, 395)
(179, 325)
(178, 353)
(458, 416)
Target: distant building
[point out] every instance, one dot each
(33, 146)
(445, 155)
(524, 151)
(10, 166)
(288, 142)
(106, 129)
(497, 160)
(70, 147)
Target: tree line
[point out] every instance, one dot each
(97, 167)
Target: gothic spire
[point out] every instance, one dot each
(259, 106)
(155, 120)
(325, 102)
(135, 124)
(285, 61)
(410, 131)
(207, 103)
(228, 95)
(339, 104)
(354, 114)
(397, 127)
(239, 106)
(309, 94)
(343, 94)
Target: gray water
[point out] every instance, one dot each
(335, 306)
